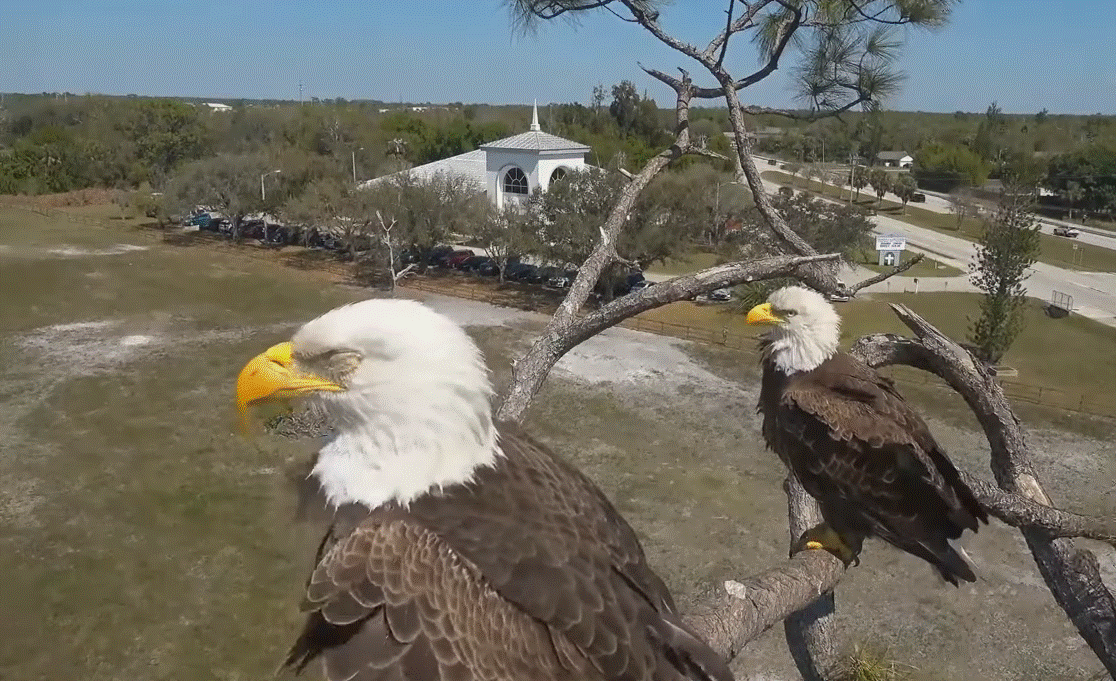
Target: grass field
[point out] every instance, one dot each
(143, 538)
(1054, 250)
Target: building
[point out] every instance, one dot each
(895, 159)
(509, 169)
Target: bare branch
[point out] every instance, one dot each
(1072, 574)
(733, 617)
(1019, 511)
(887, 275)
(685, 287)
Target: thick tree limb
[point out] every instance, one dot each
(1072, 574)
(1021, 512)
(743, 610)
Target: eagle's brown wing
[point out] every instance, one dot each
(859, 448)
(525, 572)
(393, 601)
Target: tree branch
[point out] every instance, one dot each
(1072, 574)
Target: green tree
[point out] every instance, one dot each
(945, 167)
(507, 234)
(880, 180)
(905, 188)
(426, 211)
(828, 227)
(1093, 168)
(1006, 251)
(229, 184)
(333, 206)
(859, 179)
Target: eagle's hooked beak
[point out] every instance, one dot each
(271, 377)
(762, 314)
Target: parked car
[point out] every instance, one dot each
(437, 256)
(543, 275)
(519, 271)
(918, 197)
(454, 260)
(562, 279)
(466, 263)
(1068, 232)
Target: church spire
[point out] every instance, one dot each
(535, 117)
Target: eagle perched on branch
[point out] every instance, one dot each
(460, 548)
(855, 444)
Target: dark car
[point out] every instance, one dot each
(542, 275)
(467, 263)
(918, 197)
(519, 271)
(474, 264)
(437, 255)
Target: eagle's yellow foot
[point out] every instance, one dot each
(826, 538)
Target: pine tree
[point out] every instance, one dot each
(1007, 249)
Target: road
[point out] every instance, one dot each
(1094, 293)
(939, 204)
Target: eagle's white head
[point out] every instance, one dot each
(406, 388)
(806, 328)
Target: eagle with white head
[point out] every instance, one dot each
(855, 444)
(459, 548)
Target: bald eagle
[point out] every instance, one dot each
(460, 548)
(855, 444)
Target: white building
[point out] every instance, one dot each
(510, 169)
(895, 159)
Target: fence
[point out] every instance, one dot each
(1015, 390)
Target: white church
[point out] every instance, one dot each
(509, 169)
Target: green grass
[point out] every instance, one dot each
(927, 267)
(1053, 250)
(691, 262)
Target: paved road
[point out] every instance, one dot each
(939, 204)
(1094, 293)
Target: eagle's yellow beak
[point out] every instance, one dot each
(762, 314)
(271, 377)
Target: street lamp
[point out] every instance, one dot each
(263, 192)
(354, 162)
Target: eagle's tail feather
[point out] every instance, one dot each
(951, 560)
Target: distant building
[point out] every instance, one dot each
(895, 159)
(217, 106)
(509, 169)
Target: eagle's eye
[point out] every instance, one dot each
(790, 313)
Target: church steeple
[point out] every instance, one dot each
(535, 117)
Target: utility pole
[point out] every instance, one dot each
(354, 163)
(263, 191)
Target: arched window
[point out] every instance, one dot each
(558, 174)
(515, 182)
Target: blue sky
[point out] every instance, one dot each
(1026, 54)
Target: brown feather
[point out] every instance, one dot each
(869, 459)
(526, 572)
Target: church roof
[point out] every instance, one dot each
(536, 140)
(470, 165)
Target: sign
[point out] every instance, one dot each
(890, 242)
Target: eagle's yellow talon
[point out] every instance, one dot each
(827, 539)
